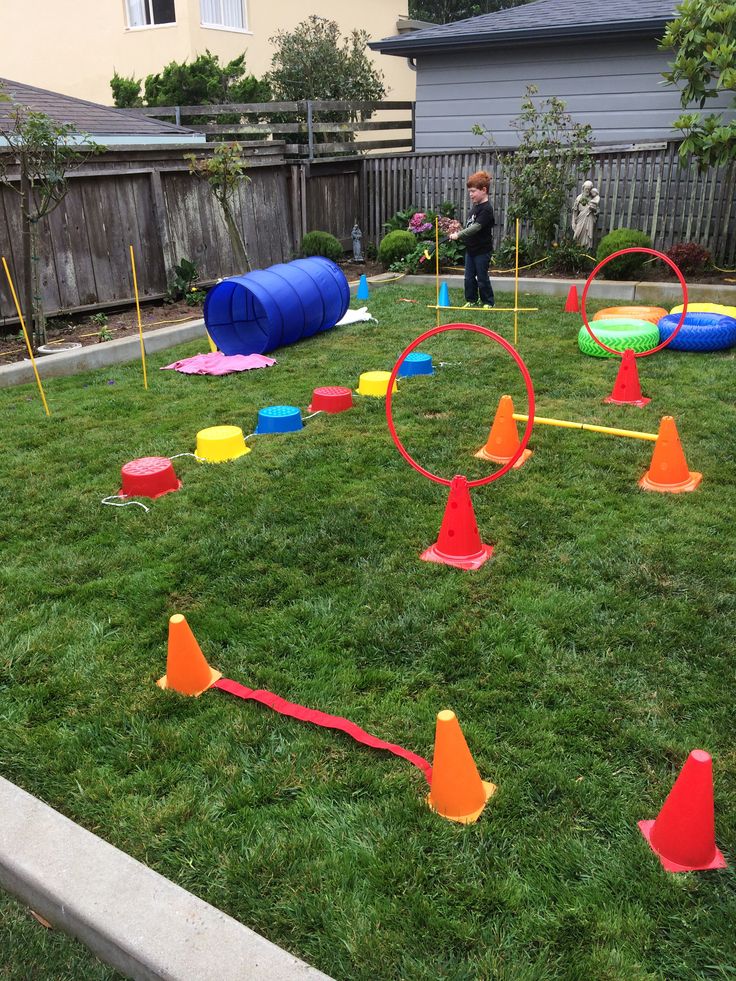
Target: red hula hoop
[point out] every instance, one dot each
(601, 264)
(529, 393)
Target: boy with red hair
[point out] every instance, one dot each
(477, 237)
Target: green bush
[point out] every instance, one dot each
(395, 246)
(567, 258)
(626, 265)
(324, 244)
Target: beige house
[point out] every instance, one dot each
(76, 51)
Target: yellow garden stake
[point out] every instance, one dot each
(437, 266)
(213, 346)
(25, 334)
(516, 289)
(138, 311)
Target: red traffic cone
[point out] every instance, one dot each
(626, 389)
(503, 439)
(571, 304)
(683, 835)
(459, 543)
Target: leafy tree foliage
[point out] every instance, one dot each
(447, 11)
(314, 61)
(553, 152)
(47, 153)
(224, 171)
(202, 82)
(704, 36)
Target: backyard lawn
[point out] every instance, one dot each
(584, 662)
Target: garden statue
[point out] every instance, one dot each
(357, 235)
(584, 214)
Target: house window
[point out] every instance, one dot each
(148, 13)
(227, 14)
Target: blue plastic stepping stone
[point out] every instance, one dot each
(416, 363)
(279, 419)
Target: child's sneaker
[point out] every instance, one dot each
(487, 306)
(469, 304)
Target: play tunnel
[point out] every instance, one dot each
(269, 308)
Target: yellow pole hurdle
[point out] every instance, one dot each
(25, 334)
(629, 433)
(515, 309)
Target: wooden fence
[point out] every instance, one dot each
(147, 198)
(317, 128)
(644, 188)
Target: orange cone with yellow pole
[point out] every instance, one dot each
(187, 671)
(503, 439)
(457, 793)
(668, 472)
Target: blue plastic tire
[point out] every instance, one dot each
(701, 332)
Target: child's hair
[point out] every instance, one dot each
(481, 180)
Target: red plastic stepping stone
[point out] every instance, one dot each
(150, 476)
(332, 398)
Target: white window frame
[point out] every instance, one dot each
(149, 8)
(221, 25)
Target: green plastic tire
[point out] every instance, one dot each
(619, 333)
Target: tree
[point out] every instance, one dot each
(224, 171)
(314, 61)
(202, 82)
(448, 11)
(47, 153)
(553, 151)
(704, 35)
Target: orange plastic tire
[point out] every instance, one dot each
(652, 314)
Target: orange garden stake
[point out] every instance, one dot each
(503, 439)
(457, 793)
(668, 472)
(683, 836)
(187, 671)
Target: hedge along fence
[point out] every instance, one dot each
(644, 188)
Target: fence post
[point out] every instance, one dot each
(413, 127)
(310, 133)
(177, 110)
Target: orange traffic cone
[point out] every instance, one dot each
(626, 388)
(571, 304)
(683, 836)
(187, 671)
(459, 543)
(457, 793)
(668, 471)
(503, 439)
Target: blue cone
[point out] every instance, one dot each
(362, 293)
(444, 299)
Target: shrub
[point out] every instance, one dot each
(690, 257)
(568, 258)
(626, 265)
(504, 256)
(395, 246)
(324, 244)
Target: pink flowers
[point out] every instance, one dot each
(418, 223)
(448, 226)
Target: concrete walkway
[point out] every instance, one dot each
(131, 917)
(128, 348)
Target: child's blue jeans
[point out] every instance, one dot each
(477, 278)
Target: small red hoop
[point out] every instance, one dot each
(601, 264)
(529, 393)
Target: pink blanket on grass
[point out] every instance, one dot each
(218, 363)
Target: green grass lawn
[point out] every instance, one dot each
(584, 662)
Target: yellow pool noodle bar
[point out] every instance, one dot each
(629, 433)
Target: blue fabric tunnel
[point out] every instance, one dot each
(269, 308)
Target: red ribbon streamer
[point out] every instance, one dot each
(318, 718)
